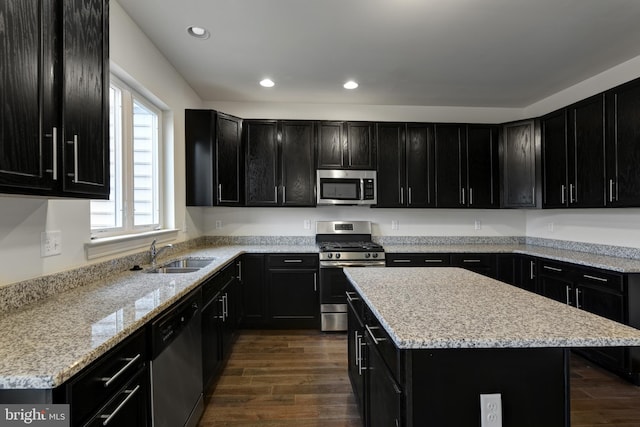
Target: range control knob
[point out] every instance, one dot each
(367, 255)
(329, 255)
(337, 256)
(375, 255)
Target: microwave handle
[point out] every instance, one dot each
(361, 189)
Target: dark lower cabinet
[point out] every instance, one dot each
(356, 352)
(484, 264)
(293, 294)
(254, 297)
(384, 396)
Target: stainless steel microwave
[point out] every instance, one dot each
(346, 187)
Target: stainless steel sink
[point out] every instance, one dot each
(185, 265)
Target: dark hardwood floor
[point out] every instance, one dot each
(299, 378)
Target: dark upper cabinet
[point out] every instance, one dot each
(405, 166)
(261, 169)
(280, 158)
(297, 177)
(573, 158)
(85, 97)
(28, 130)
(466, 158)
(346, 145)
(54, 129)
(214, 168)
(623, 145)
(519, 160)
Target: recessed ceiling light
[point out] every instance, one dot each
(350, 85)
(198, 32)
(267, 83)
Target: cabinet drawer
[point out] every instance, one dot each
(473, 260)
(554, 269)
(418, 260)
(383, 343)
(292, 261)
(611, 281)
(106, 376)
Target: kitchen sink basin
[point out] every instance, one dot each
(185, 265)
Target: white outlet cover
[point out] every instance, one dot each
(50, 243)
(491, 410)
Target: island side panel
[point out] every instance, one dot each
(443, 386)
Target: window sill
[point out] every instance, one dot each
(106, 246)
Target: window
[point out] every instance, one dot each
(134, 140)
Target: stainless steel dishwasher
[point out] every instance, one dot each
(176, 365)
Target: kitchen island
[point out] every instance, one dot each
(425, 343)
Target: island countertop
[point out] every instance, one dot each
(429, 308)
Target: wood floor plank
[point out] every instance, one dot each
(299, 378)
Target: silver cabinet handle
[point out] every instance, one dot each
(611, 190)
(568, 289)
(571, 199)
(225, 298)
(315, 282)
(401, 261)
(131, 393)
(292, 261)
(433, 261)
(471, 260)
(54, 151)
(360, 345)
(546, 267)
(470, 196)
(410, 196)
(402, 195)
(240, 271)
(578, 298)
(350, 298)
(356, 348)
(284, 194)
(219, 192)
(563, 188)
(131, 361)
(462, 192)
(75, 159)
(275, 194)
(376, 341)
(600, 279)
(531, 274)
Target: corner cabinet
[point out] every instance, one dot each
(346, 145)
(280, 158)
(520, 164)
(406, 176)
(214, 169)
(54, 129)
(466, 158)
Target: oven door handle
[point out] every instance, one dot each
(341, 264)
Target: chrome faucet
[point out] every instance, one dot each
(154, 252)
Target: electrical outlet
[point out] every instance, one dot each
(491, 410)
(551, 227)
(477, 224)
(218, 224)
(395, 225)
(50, 243)
(307, 224)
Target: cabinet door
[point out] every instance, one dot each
(481, 163)
(199, 152)
(293, 298)
(229, 170)
(85, 84)
(384, 400)
(623, 145)
(298, 164)
(254, 296)
(450, 150)
(28, 133)
(261, 162)
(420, 165)
(331, 145)
(355, 344)
(392, 190)
(211, 340)
(554, 160)
(526, 274)
(519, 165)
(587, 168)
(360, 146)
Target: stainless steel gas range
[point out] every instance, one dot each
(342, 244)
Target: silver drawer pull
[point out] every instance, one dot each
(130, 393)
(350, 298)
(108, 381)
(546, 267)
(376, 341)
(600, 279)
(292, 260)
(471, 260)
(433, 260)
(401, 260)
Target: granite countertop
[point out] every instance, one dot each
(42, 345)
(621, 265)
(425, 308)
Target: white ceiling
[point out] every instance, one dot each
(489, 53)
